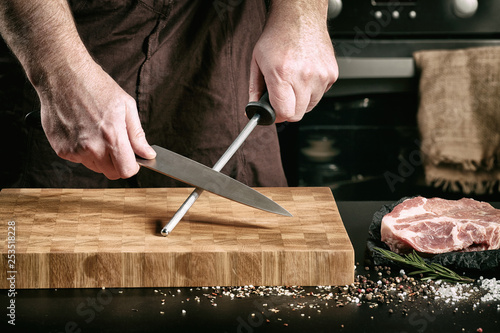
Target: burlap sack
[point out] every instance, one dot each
(459, 118)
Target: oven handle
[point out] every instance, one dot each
(376, 68)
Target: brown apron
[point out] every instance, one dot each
(187, 65)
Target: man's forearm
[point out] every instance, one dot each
(308, 11)
(42, 35)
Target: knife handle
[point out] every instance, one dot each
(263, 108)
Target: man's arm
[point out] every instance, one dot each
(86, 116)
(294, 58)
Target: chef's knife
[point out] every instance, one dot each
(198, 175)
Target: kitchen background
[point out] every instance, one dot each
(362, 140)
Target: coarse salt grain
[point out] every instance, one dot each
(492, 288)
(489, 289)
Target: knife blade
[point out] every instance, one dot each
(198, 175)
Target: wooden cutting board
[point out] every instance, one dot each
(86, 238)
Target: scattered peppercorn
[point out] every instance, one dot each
(403, 292)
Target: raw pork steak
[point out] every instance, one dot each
(438, 225)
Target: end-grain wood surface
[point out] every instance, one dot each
(86, 238)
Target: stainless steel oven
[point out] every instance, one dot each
(362, 139)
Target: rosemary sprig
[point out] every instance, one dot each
(432, 271)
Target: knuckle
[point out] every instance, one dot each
(286, 115)
(67, 152)
(120, 99)
(324, 76)
(108, 132)
(253, 89)
(139, 133)
(308, 73)
(129, 100)
(289, 114)
(284, 71)
(295, 118)
(332, 74)
(85, 146)
(129, 172)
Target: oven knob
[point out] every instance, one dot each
(464, 8)
(334, 8)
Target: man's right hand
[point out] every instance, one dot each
(88, 118)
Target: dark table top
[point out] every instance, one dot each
(291, 309)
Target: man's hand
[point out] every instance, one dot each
(86, 116)
(294, 58)
(89, 119)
